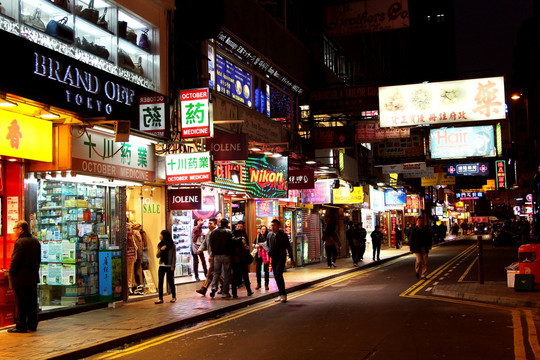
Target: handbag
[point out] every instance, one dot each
(125, 61)
(144, 43)
(92, 48)
(102, 22)
(34, 20)
(122, 29)
(60, 30)
(138, 67)
(131, 36)
(90, 13)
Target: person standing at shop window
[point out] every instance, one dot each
(279, 244)
(197, 238)
(262, 258)
(167, 262)
(24, 277)
(376, 241)
(331, 244)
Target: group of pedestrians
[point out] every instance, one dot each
(356, 237)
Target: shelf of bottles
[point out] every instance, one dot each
(97, 27)
(181, 233)
(70, 225)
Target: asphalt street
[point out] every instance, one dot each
(375, 313)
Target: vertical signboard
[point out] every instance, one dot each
(195, 110)
(152, 114)
(500, 166)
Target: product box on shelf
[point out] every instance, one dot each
(7, 295)
(7, 315)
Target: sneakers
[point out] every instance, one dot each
(281, 298)
(278, 299)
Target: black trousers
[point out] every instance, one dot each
(240, 272)
(27, 308)
(260, 263)
(170, 280)
(331, 254)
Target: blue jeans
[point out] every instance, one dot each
(278, 265)
(222, 261)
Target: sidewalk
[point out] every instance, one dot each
(84, 334)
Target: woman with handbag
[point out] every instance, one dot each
(261, 257)
(167, 262)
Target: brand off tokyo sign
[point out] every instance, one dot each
(195, 110)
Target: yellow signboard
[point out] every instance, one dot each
(25, 137)
(438, 179)
(343, 195)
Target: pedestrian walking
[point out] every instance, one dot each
(212, 224)
(197, 238)
(220, 242)
(420, 244)
(279, 246)
(331, 245)
(24, 277)
(262, 260)
(166, 254)
(399, 237)
(376, 240)
(362, 234)
(353, 240)
(240, 262)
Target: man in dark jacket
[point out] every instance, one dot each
(420, 244)
(220, 242)
(24, 275)
(279, 245)
(353, 239)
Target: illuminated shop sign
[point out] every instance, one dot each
(97, 153)
(228, 146)
(442, 102)
(229, 176)
(233, 81)
(301, 179)
(185, 199)
(320, 194)
(266, 177)
(472, 169)
(438, 179)
(152, 114)
(25, 137)
(395, 197)
(474, 195)
(412, 206)
(267, 208)
(188, 168)
(456, 143)
(344, 195)
(500, 166)
(376, 199)
(195, 110)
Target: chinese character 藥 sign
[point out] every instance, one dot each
(97, 153)
(500, 166)
(152, 114)
(188, 168)
(195, 110)
(25, 137)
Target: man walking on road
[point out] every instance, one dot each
(24, 276)
(220, 242)
(279, 244)
(420, 244)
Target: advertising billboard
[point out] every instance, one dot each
(395, 197)
(442, 102)
(320, 194)
(233, 81)
(344, 195)
(470, 169)
(195, 110)
(267, 177)
(462, 142)
(188, 168)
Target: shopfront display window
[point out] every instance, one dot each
(71, 221)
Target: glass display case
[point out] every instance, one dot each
(46, 16)
(71, 225)
(181, 233)
(9, 8)
(135, 41)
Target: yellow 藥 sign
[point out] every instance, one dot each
(25, 137)
(343, 195)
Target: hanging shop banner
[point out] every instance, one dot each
(457, 143)
(395, 197)
(25, 137)
(195, 111)
(301, 179)
(97, 153)
(500, 166)
(412, 207)
(228, 147)
(438, 179)
(185, 199)
(229, 175)
(267, 177)
(332, 137)
(376, 199)
(442, 102)
(267, 208)
(320, 194)
(404, 168)
(344, 195)
(152, 114)
(370, 132)
(471, 169)
(472, 195)
(366, 16)
(233, 81)
(188, 168)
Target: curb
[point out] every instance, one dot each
(491, 299)
(177, 324)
